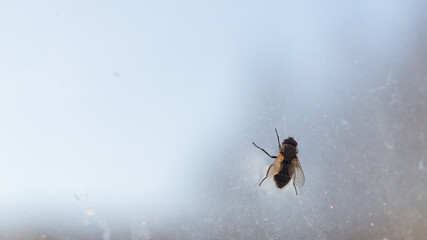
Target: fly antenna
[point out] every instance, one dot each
(278, 140)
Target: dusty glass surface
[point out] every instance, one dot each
(135, 119)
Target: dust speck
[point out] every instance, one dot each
(389, 146)
(90, 211)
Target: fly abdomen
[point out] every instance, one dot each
(282, 178)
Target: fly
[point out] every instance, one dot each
(286, 166)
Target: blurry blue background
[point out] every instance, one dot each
(134, 119)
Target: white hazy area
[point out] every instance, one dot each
(135, 119)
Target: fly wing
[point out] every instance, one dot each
(274, 168)
(297, 174)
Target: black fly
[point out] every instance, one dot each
(286, 166)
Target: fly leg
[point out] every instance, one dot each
(295, 187)
(278, 140)
(264, 151)
(266, 175)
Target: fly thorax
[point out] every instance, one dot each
(289, 151)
